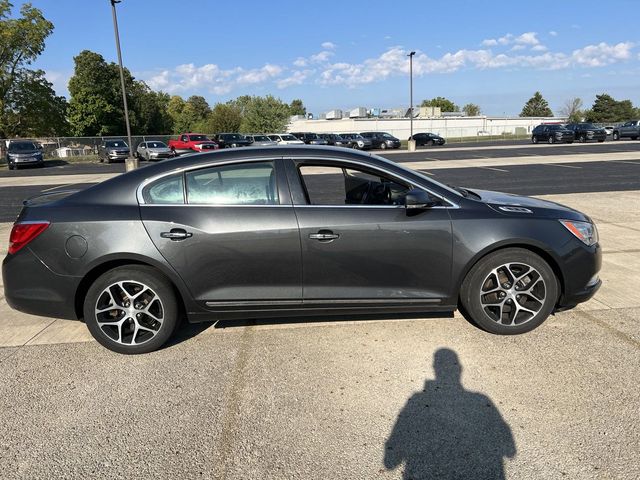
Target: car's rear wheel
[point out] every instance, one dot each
(131, 309)
(582, 139)
(551, 139)
(383, 146)
(616, 136)
(510, 291)
(534, 139)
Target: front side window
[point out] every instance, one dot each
(334, 185)
(238, 184)
(167, 190)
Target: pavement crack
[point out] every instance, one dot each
(621, 335)
(232, 413)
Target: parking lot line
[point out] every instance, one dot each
(59, 186)
(495, 169)
(559, 165)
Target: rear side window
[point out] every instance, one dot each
(240, 184)
(167, 190)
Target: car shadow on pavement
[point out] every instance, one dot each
(447, 432)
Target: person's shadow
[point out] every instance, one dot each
(447, 432)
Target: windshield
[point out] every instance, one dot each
(288, 138)
(386, 135)
(156, 145)
(588, 125)
(312, 136)
(115, 144)
(556, 127)
(261, 138)
(195, 138)
(22, 146)
(233, 136)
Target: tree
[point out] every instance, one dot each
(606, 109)
(33, 109)
(225, 117)
(22, 40)
(572, 109)
(444, 104)
(193, 115)
(471, 109)
(296, 107)
(536, 106)
(174, 110)
(264, 114)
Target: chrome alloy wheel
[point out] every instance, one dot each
(129, 312)
(513, 294)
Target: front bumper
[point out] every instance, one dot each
(25, 160)
(30, 287)
(580, 276)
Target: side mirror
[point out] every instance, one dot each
(418, 199)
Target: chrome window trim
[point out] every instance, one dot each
(184, 170)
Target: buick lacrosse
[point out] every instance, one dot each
(292, 231)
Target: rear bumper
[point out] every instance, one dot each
(30, 287)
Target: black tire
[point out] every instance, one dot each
(383, 146)
(470, 292)
(570, 142)
(582, 139)
(168, 307)
(551, 139)
(600, 141)
(534, 139)
(634, 138)
(432, 143)
(616, 136)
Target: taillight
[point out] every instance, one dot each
(23, 233)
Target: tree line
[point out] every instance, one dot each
(29, 106)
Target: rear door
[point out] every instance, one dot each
(229, 231)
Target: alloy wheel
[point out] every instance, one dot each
(513, 294)
(129, 312)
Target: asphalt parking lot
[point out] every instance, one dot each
(350, 398)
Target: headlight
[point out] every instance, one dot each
(586, 232)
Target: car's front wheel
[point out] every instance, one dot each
(534, 139)
(131, 309)
(508, 292)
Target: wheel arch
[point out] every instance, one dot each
(532, 247)
(182, 296)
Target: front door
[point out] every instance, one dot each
(229, 231)
(360, 243)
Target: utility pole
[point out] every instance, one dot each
(131, 163)
(411, 145)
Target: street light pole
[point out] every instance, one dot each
(131, 163)
(411, 145)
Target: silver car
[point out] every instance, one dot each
(154, 150)
(260, 141)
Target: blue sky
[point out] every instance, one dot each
(344, 54)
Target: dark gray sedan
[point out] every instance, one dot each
(280, 231)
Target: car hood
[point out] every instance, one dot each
(160, 149)
(23, 152)
(537, 207)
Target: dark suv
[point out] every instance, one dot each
(552, 134)
(428, 139)
(382, 140)
(337, 140)
(584, 132)
(112, 150)
(231, 140)
(310, 138)
(23, 152)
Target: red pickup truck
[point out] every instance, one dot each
(192, 142)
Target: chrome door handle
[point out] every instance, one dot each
(324, 236)
(176, 234)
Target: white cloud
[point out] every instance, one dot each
(296, 78)
(528, 38)
(300, 62)
(538, 48)
(328, 45)
(517, 47)
(320, 57)
(602, 54)
(553, 33)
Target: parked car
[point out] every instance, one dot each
(336, 140)
(382, 140)
(609, 129)
(154, 150)
(428, 139)
(260, 141)
(285, 139)
(584, 132)
(246, 246)
(231, 140)
(358, 141)
(551, 134)
(113, 150)
(22, 153)
(192, 142)
(310, 138)
(629, 129)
